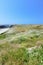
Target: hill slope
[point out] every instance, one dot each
(22, 45)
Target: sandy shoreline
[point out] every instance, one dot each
(3, 30)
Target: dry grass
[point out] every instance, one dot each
(15, 43)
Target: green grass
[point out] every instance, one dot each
(2, 36)
(16, 51)
(22, 57)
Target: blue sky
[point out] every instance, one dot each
(21, 11)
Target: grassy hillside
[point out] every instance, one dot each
(22, 45)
